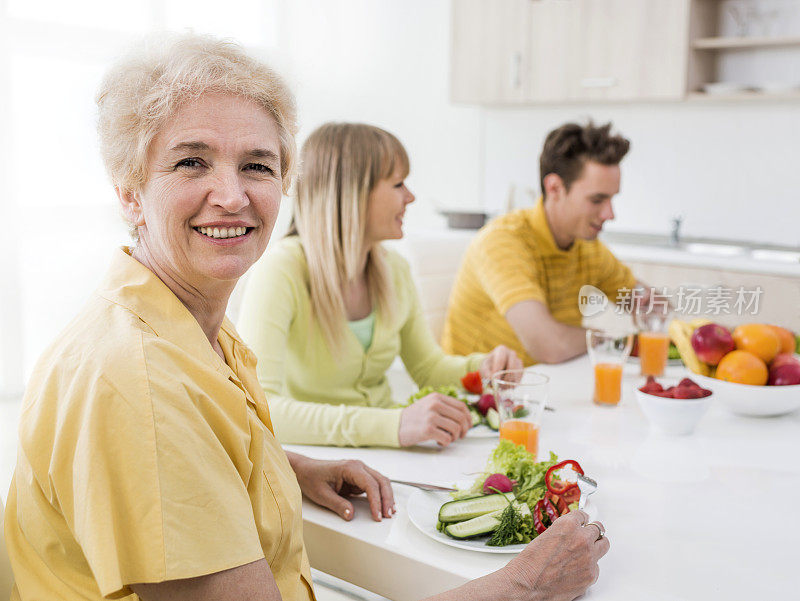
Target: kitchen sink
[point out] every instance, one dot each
(784, 256)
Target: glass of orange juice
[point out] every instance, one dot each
(520, 397)
(653, 339)
(608, 352)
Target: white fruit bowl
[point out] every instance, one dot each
(757, 401)
(675, 417)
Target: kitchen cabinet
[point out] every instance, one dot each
(520, 51)
(490, 41)
(539, 51)
(630, 50)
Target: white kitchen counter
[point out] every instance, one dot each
(709, 516)
(677, 256)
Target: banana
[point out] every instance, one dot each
(697, 322)
(681, 334)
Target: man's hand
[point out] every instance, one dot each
(501, 358)
(545, 339)
(434, 417)
(330, 483)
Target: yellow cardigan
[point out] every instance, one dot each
(344, 400)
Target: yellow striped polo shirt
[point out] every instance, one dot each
(515, 258)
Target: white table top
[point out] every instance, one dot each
(706, 516)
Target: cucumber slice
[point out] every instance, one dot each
(484, 524)
(476, 416)
(466, 509)
(493, 419)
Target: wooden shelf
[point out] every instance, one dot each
(733, 43)
(748, 96)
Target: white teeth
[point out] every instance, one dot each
(224, 232)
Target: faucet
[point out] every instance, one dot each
(675, 233)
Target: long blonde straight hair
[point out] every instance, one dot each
(341, 163)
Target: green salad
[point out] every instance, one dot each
(514, 500)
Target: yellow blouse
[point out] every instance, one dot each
(144, 457)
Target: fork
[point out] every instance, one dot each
(422, 486)
(587, 486)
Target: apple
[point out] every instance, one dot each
(784, 359)
(784, 375)
(712, 342)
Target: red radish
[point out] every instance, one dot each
(712, 342)
(485, 403)
(498, 483)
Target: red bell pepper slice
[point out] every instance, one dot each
(472, 382)
(560, 487)
(561, 504)
(538, 520)
(550, 509)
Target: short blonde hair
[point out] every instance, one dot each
(141, 91)
(341, 163)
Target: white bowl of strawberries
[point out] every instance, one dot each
(673, 409)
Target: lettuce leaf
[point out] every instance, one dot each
(449, 390)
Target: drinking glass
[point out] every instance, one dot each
(521, 397)
(608, 352)
(652, 321)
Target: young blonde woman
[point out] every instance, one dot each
(328, 309)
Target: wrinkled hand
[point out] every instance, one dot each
(434, 417)
(561, 563)
(329, 483)
(499, 359)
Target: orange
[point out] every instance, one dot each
(759, 339)
(743, 368)
(786, 339)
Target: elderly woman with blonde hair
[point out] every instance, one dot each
(329, 309)
(147, 466)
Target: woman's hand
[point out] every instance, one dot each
(329, 483)
(434, 417)
(561, 563)
(499, 359)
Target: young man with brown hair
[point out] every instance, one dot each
(520, 277)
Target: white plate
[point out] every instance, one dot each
(423, 511)
(481, 431)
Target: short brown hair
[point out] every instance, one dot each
(567, 148)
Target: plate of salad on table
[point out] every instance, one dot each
(478, 399)
(514, 500)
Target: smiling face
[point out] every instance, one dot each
(386, 207)
(213, 192)
(581, 211)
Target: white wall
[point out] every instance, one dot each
(729, 169)
(387, 63)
